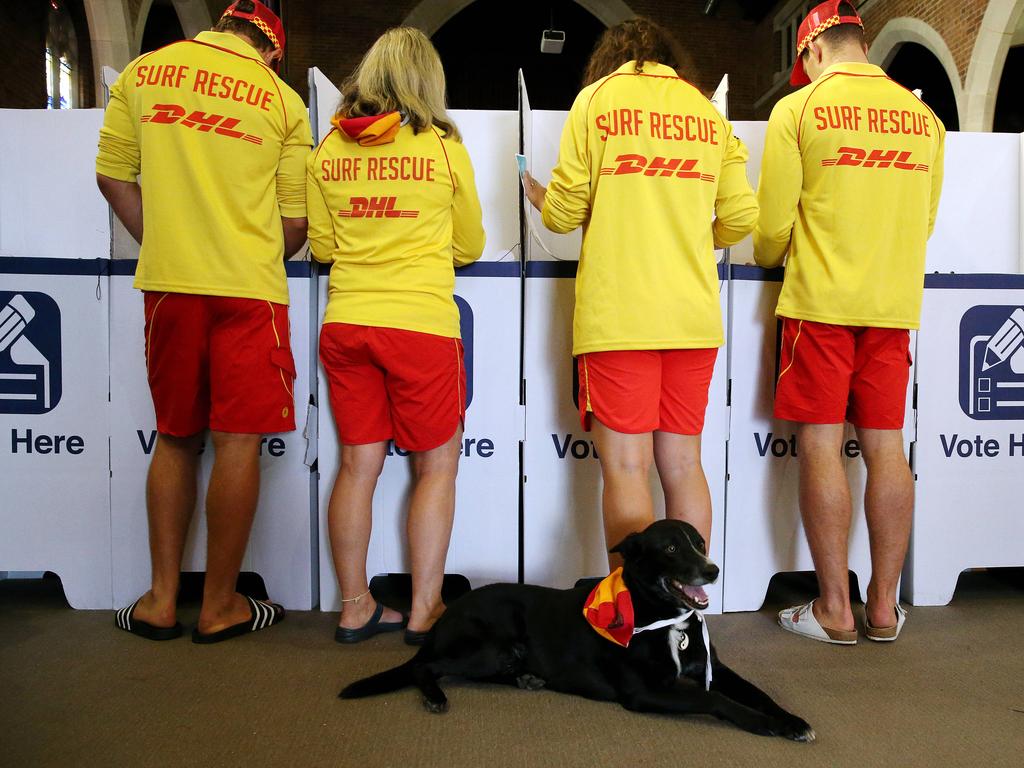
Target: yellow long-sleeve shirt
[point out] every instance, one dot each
(645, 165)
(221, 143)
(395, 218)
(849, 188)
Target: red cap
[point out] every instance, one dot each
(264, 18)
(822, 17)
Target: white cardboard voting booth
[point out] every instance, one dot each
(485, 538)
(49, 205)
(55, 513)
(281, 544)
(563, 532)
(763, 526)
(72, 375)
(970, 432)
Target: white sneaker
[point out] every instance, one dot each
(800, 620)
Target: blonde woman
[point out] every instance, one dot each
(393, 207)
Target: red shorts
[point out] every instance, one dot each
(388, 383)
(637, 391)
(219, 362)
(834, 373)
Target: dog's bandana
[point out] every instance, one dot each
(609, 610)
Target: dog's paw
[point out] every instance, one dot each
(530, 682)
(436, 707)
(795, 729)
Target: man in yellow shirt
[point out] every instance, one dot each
(207, 145)
(849, 190)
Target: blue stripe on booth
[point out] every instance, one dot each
(760, 274)
(26, 265)
(979, 280)
(491, 269)
(569, 268)
(551, 268)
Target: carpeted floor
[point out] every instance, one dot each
(76, 692)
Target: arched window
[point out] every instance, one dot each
(61, 59)
(915, 67)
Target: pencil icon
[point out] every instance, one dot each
(1005, 341)
(15, 315)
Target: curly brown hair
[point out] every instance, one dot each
(639, 40)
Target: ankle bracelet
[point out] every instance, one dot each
(355, 599)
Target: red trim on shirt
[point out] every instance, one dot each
(261, 63)
(450, 174)
(800, 122)
(683, 80)
(321, 146)
(830, 75)
(146, 55)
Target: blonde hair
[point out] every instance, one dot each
(401, 72)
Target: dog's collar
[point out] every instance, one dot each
(609, 611)
(704, 633)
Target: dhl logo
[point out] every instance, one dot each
(656, 166)
(376, 208)
(878, 158)
(204, 122)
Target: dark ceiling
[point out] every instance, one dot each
(755, 10)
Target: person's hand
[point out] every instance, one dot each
(535, 191)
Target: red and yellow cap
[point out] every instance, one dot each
(821, 17)
(265, 20)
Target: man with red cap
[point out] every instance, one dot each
(849, 189)
(206, 145)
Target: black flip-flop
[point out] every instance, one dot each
(413, 637)
(125, 619)
(262, 615)
(373, 627)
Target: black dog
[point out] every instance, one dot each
(537, 637)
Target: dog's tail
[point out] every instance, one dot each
(383, 682)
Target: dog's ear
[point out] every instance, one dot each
(629, 547)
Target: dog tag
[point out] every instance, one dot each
(684, 641)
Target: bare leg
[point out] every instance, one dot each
(230, 507)
(170, 501)
(687, 497)
(431, 515)
(889, 505)
(625, 464)
(349, 519)
(826, 510)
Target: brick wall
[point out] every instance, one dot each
(23, 27)
(957, 21)
(716, 45)
(334, 36)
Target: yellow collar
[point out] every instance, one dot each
(853, 68)
(231, 42)
(650, 68)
